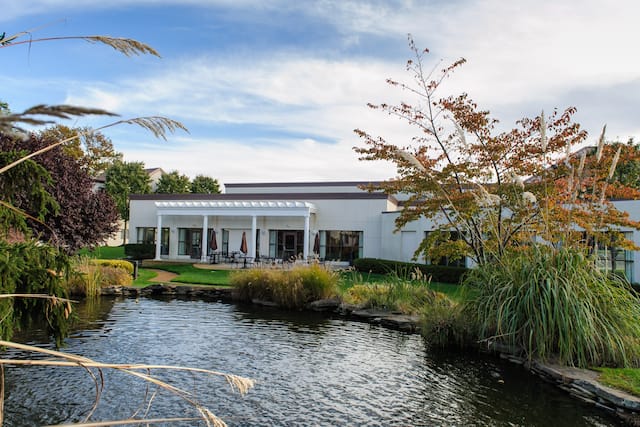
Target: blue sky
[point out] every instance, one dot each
(271, 90)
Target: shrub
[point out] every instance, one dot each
(140, 251)
(438, 273)
(556, 303)
(287, 288)
(127, 266)
(89, 275)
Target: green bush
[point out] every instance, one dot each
(116, 263)
(438, 273)
(140, 251)
(287, 288)
(556, 303)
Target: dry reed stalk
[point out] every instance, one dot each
(237, 383)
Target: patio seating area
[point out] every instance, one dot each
(238, 259)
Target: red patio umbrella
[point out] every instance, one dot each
(243, 244)
(214, 243)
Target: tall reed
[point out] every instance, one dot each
(555, 303)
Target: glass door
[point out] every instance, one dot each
(289, 245)
(196, 243)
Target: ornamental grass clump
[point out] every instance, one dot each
(88, 276)
(408, 294)
(556, 304)
(287, 288)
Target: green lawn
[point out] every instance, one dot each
(144, 277)
(622, 379)
(187, 273)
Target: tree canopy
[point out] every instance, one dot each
(92, 149)
(204, 185)
(173, 183)
(123, 179)
(494, 189)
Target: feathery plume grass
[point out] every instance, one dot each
(543, 132)
(600, 144)
(411, 159)
(126, 46)
(614, 163)
(460, 132)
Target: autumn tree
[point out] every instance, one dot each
(93, 150)
(494, 189)
(173, 183)
(123, 179)
(205, 185)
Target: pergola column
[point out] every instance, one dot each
(305, 250)
(158, 237)
(254, 228)
(204, 248)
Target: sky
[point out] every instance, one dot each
(272, 90)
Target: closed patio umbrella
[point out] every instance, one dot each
(316, 244)
(243, 244)
(214, 243)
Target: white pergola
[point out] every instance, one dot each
(234, 208)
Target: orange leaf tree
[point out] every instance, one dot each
(495, 189)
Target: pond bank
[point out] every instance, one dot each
(580, 383)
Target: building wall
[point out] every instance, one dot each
(375, 217)
(347, 215)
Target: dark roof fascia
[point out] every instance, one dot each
(266, 196)
(301, 184)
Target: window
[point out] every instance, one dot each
(225, 242)
(148, 235)
(286, 244)
(341, 245)
(190, 242)
(616, 259)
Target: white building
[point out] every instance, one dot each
(335, 221)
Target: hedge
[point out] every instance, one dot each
(438, 273)
(140, 251)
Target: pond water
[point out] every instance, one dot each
(309, 370)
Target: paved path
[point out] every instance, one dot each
(163, 276)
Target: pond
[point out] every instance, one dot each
(309, 369)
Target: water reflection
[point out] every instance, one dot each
(310, 370)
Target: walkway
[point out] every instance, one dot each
(162, 276)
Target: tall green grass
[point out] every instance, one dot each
(406, 292)
(287, 288)
(555, 303)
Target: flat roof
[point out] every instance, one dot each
(300, 184)
(265, 196)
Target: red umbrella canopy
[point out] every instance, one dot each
(214, 243)
(243, 244)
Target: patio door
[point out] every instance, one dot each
(190, 242)
(289, 244)
(196, 243)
